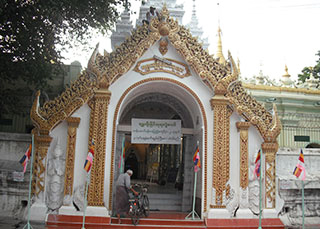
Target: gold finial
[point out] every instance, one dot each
(238, 65)
(219, 54)
(286, 74)
(165, 11)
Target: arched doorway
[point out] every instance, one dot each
(166, 166)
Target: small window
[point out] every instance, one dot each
(301, 138)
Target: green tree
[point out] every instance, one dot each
(306, 70)
(33, 32)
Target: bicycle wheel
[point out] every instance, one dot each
(145, 206)
(135, 218)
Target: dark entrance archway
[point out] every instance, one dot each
(164, 99)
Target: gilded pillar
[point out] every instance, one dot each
(73, 123)
(270, 149)
(221, 155)
(42, 144)
(244, 163)
(244, 155)
(98, 133)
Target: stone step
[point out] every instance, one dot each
(159, 220)
(160, 202)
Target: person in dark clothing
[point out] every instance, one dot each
(122, 193)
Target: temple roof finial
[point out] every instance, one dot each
(286, 74)
(238, 65)
(219, 53)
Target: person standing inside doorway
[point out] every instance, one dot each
(123, 187)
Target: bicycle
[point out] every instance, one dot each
(139, 205)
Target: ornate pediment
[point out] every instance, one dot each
(107, 68)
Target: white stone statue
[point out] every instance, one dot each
(55, 171)
(78, 197)
(232, 203)
(253, 187)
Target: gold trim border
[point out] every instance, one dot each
(274, 88)
(116, 112)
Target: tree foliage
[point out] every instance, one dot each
(306, 71)
(32, 30)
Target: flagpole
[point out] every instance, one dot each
(28, 225)
(260, 194)
(193, 213)
(302, 204)
(85, 200)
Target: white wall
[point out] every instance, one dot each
(81, 144)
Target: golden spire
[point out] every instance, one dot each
(219, 53)
(238, 65)
(286, 74)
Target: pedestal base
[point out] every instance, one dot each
(218, 214)
(97, 211)
(69, 210)
(90, 211)
(38, 212)
(245, 213)
(269, 213)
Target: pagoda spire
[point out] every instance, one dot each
(285, 79)
(195, 29)
(219, 53)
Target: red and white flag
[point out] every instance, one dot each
(89, 160)
(300, 170)
(26, 157)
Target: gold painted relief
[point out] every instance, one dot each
(163, 46)
(98, 133)
(166, 65)
(221, 154)
(270, 150)
(73, 123)
(40, 159)
(269, 126)
(244, 154)
(54, 111)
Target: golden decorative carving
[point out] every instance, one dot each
(270, 149)
(54, 111)
(40, 153)
(163, 46)
(268, 126)
(98, 133)
(73, 123)
(108, 68)
(170, 66)
(244, 154)
(286, 89)
(114, 129)
(221, 154)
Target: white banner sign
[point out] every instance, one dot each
(155, 131)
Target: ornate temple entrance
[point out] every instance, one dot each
(167, 168)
